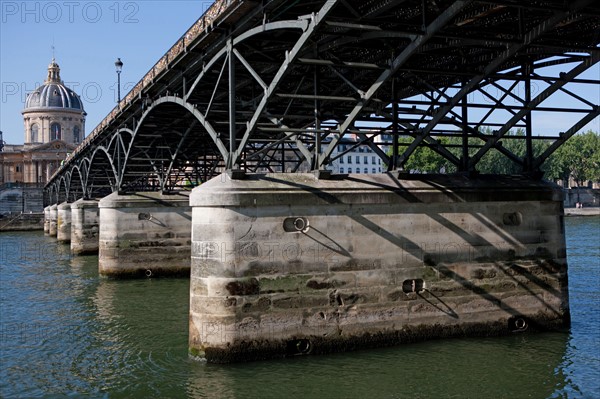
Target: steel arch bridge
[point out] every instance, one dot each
(276, 84)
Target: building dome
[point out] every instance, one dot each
(53, 93)
(53, 112)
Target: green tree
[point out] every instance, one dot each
(497, 163)
(578, 157)
(424, 159)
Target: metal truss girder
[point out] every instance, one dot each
(103, 150)
(177, 151)
(119, 152)
(74, 173)
(434, 144)
(291, 56)
(249, 68)
(196, 113)
(64, 182)
(369, 141)
(531, 106)
(299, 143)
(231, 161)
(471, 130)
(491, 68)
(271, 26)
(397, 63)
(565, 136)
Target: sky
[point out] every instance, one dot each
(86, 38)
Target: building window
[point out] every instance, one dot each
(55, 131)
(373, 159)
(373, 170)
(379, 161)
(341, 170)
(366, 159)
(358, 159)
(341, 159)
(349, 158)
(366, 170)
(33, 130)
(349, 170)
(76, 135)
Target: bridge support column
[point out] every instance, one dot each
(84, 227)
(144, 234)
(287, 264)
(47, 220)
(53, 219)
(63, 222)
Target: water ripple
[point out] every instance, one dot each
(66, 332)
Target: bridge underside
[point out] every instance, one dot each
(277, 86)
(295, 263)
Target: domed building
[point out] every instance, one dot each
(54, 121)
(53, 112)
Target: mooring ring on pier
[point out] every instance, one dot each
(521, 324)
(296, 225)
(148, 273)
(300, 224)
(518, 324)
(144, 216)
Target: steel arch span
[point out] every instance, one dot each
(278, 85)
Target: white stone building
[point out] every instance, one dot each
(54, 121)
(360, 159)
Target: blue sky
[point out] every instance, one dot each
(88, 36)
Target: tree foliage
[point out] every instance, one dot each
(426, 160)
(578, 157)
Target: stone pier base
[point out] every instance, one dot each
(84, 227)
(47, 221)
(285, 264)
(144, 234)
(53, 220)
(63, 223)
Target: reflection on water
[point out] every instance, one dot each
(66, 331)
(520, 366)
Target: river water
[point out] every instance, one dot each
(66, 332)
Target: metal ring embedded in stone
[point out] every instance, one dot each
(296, 224)
(303, 346)
(148, 273)
(300, 224)
(521, 324)
(144, 216)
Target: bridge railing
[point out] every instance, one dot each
(218, 8)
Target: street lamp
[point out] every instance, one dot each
(119, 66)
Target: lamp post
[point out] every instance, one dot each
(119, 66)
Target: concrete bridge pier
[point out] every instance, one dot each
(63, 223)
(84, 227)
(47, 220)
(286, 264)
(145, 234)
(53, 220)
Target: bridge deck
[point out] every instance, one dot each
(275, 85)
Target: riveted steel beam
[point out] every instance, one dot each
(408, 51)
